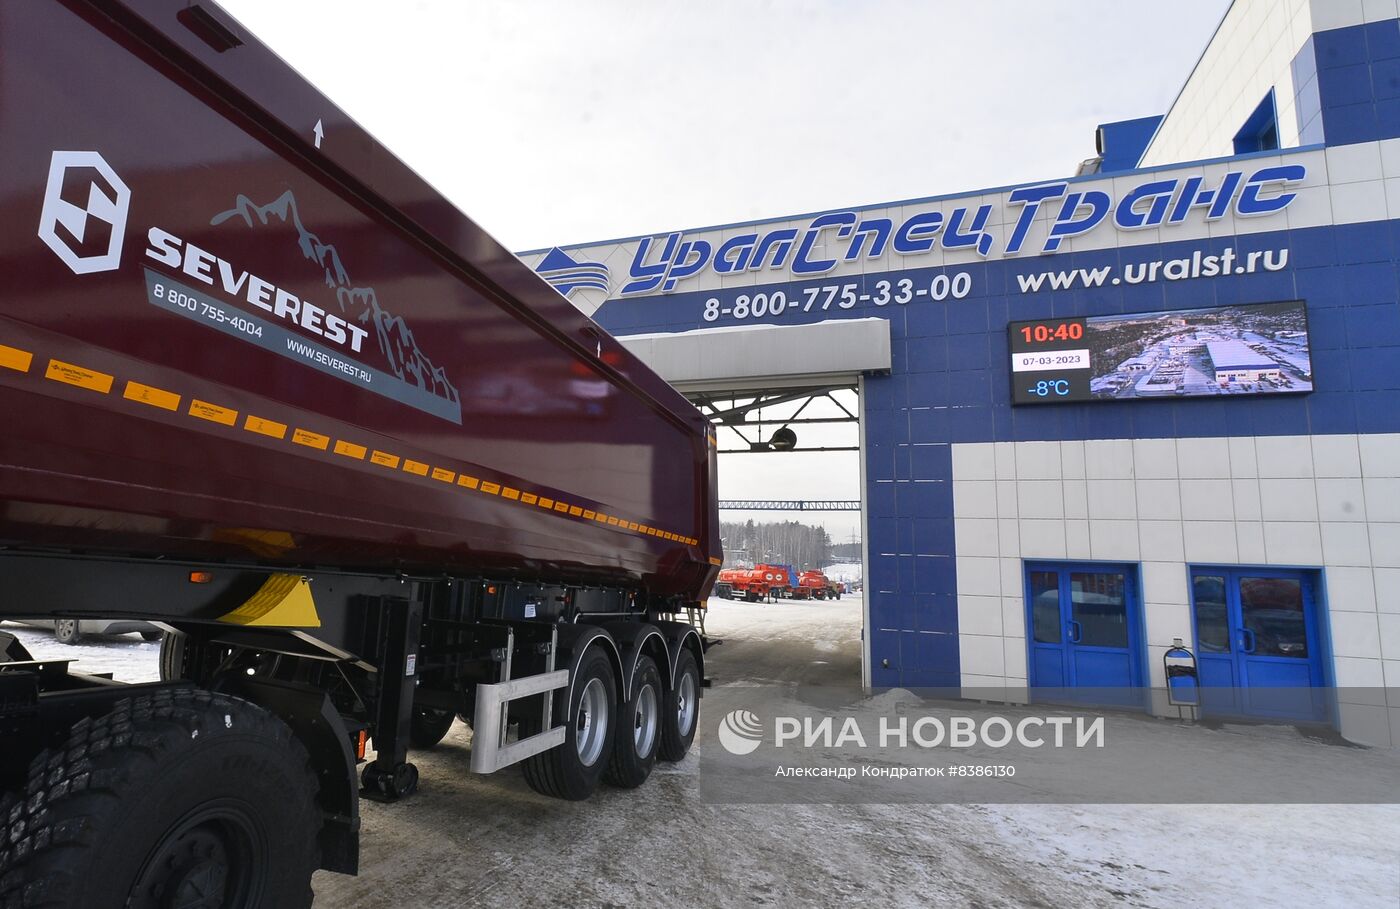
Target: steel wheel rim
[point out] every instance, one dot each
(591, 726)
(214, 857)
(685, 704)
(65, 628)
(646, 720)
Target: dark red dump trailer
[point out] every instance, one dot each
(264, 386)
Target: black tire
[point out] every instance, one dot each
(150, 637)
(428, 725)
(178, 791)
(638, 734)
(563, 772)
(682, 700)
(172, 657)
(67, 631)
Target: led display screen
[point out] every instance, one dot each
(1253, 349)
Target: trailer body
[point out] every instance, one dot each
(236, 327)
(266, 388)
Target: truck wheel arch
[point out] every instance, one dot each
(681, 635)
(575, 641)
(635, 640)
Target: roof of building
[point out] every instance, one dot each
(1237, 355)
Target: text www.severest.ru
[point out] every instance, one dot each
(1197, 265)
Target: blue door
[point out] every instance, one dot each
(1259, 645)
(1085, 630)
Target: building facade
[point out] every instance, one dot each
(1061, 476)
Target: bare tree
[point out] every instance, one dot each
(776, 543)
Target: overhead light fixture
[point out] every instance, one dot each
(783, 440)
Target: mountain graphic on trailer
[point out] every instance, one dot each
(361, 304)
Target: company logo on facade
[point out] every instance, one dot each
(84, 216)
(828, 240)
(740, 732)
(566, 274)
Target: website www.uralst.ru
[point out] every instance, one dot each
(1197, 265)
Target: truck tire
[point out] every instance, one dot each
(68, 631)
(638, 734)
(681, 714)
(179, 797)
(172, 656)
(572, 770)
(428, 725)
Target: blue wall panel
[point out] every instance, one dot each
(1358, 83)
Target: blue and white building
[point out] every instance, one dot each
(1056, 487)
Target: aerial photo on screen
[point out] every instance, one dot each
(1226, 350)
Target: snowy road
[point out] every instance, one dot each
(490, 841)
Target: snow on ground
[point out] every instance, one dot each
(482, 840)
(126, 656)
(847, 572)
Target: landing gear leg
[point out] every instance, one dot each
(391, 777)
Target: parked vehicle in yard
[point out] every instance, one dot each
(71, 631)
(816, 584)
(749, 584)
(784, 580)
(265, 387)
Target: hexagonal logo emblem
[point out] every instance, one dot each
(85, 209)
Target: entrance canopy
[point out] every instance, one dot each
(766, 356)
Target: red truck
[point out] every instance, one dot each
(752, 584)
(816, 584)
(266, 388)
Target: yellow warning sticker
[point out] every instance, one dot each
(16, 359)
(528, 498)
(69, 374)
(384, 459)
(213, 412)
(612, 519)
(575, 510)
(561, 506)
(443, 475)
(311, 439)
(589, 515)
(602, 518)
(715, 561)
(156, 397)
(545, 503)
(417, 467)
(269, 428)
(491, 489)
(509, 493)
(469, 482)
(350, 449)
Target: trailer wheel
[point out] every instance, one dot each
(182, 797)
(638, 733)
(682, 711)
(428, 726)
(172, 656)
(572, 770)
(68, 631)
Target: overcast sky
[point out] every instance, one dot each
(566, 122)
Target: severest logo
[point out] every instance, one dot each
(740, 732)
(84, 220)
